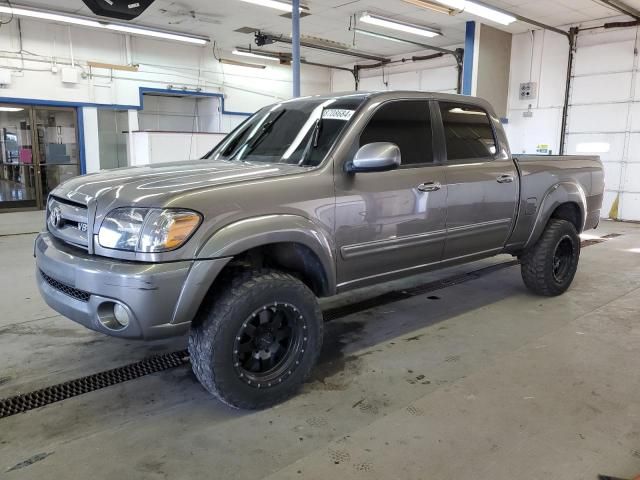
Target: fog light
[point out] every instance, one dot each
(121, 315)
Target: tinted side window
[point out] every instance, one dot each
(406, 123)
(467, 131)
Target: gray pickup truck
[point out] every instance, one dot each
(307, 198)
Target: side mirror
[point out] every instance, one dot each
(375, 157)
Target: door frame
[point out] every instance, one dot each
(31, 109)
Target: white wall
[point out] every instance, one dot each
(47, 46)
(437, 75)
(604, 113)
(540, 57)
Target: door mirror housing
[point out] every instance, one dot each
(375, 157)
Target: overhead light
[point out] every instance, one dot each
(431, 6)
(480, 10)
(228, 61)
(382, 36)
(378, 35)
(11, 109)
(397, 25)
(248, 53)
(88, 22)
(55, 17)
(282, 6)
(155, 33)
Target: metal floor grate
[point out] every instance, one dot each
(56, 393)
(62, 391)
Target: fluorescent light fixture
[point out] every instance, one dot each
(11, 109)
(480, 10)
(454, 4)
(247, 53)
(88, 22)
(282, 6)
(431, 6)
(228, 61)
(54, 17)
(378, 35)
(397, 25)
(155, 33)
(593, 147)
(489, 13)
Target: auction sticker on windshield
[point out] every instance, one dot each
(337, 114)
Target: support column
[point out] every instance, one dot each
(132, 148)
(487, 61)
(295, 44)
(90, 139)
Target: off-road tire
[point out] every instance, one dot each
(539, 272)
(224, 314)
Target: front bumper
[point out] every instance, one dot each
(160, 298)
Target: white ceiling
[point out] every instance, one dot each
(329, 19)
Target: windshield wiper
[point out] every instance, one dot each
(313, 140)
(266, 128)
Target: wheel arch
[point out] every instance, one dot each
(291, 243)
(563, 201)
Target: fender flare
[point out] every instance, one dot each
(558, 194)
(243, 235)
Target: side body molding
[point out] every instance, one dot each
(249, 233)
(560, 193)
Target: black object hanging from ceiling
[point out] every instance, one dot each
(121, 9)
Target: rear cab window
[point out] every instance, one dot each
(468, 132)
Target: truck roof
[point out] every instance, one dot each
(399, 94)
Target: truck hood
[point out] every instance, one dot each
(155, 185)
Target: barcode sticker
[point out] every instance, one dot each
(337, 114)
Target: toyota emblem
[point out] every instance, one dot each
(56, 217)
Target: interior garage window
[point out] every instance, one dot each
(406, 123)
(468, 132)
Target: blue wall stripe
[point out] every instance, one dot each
(117, 106)
(469, 52)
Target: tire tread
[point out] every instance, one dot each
(534, 263)
(216, 310)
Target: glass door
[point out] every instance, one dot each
(34, 160)
(56, 147)
(18, 185)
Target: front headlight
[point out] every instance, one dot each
(147, 230)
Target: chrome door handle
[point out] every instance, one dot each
(430, 187)
(505, 179)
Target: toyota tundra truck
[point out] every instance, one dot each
(307, 198)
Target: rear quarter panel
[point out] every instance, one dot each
(549, 181)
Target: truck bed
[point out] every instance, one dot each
(538, 172)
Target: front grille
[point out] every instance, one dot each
(68, 221)
(66, 289)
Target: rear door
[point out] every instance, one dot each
(392, 223)
(482, 183)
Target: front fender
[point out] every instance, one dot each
(558, 194)
(249, 233)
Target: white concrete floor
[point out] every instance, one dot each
(486, 382)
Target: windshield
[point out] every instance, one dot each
(298, 132)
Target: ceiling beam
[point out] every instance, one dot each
(425, 46)
(524, 19)
(622, 8)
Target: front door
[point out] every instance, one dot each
(39, 151)
(482, 184)
(392, 223)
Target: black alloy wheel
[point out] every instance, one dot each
(269, 345)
